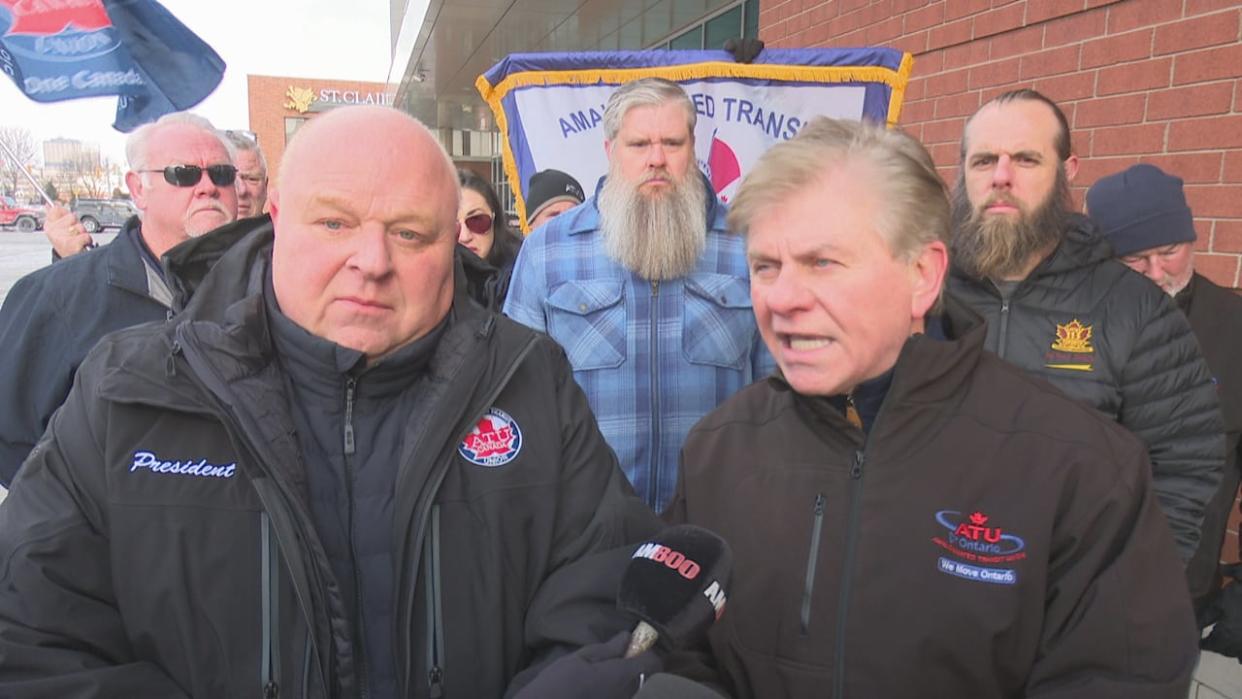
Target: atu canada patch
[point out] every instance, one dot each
(494, 441)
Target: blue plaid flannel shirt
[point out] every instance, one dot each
(652, 358)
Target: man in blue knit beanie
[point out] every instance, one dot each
(1143, 213)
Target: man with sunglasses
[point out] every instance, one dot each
(182, 179)
(331, 475)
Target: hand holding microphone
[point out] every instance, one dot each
(675, 584)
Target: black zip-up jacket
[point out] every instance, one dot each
(1104, 335)
(51, 318)
(158, 541)
(1215, 314)
(987, 538)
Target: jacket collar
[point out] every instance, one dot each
(125, 260)
(188, 263)
(585, 218)
(928, 372)
(1081, 246)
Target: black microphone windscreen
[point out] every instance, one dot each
(665, 686)
(676, 582)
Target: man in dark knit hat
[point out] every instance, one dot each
(1143, 213)
(550, 194)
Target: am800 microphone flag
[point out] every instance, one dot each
(676, 584)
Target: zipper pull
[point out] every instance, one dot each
(170, 366)
(271, 690)
(350, 385)
(851, 412)
(435, 681)
(856, 470)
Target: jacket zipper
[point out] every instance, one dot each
(847, 573)
(653, 482)
(437, 478)
(351, 384)
(435, 632)
(1004, 329)
(270, 664)
(233, 426)
(306, 666)
(349, 449)
(812, 560)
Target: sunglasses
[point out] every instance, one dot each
(189, 175)
(479, 224)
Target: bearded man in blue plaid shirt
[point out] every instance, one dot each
(645, 289)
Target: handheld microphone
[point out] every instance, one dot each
(675, 583)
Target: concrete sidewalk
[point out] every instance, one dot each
(1218, 677)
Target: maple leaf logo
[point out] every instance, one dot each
(978, 519)
(1073, 337)
(299, 99)
(51, 17)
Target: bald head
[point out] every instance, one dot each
(398, 140)
(365, 214)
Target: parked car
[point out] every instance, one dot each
(98, 214)
(24, 218)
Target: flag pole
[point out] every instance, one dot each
(22, 168)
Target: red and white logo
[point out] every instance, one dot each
(495, 441)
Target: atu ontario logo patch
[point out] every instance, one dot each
(1072, 349)
(978, 550)
(494, 441)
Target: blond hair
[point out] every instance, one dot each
(915, 208)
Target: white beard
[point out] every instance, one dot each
(656, 237)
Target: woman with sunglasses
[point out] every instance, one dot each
(492, 248)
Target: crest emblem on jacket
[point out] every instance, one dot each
(978, 549)
(494, 441)
(1071, 348)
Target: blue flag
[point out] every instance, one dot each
(66, 49)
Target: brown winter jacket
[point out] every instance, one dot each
(989, 538)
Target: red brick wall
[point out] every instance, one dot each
(267, 98)
(1158, 81)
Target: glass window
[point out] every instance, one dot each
(292, 124)
(751, 31)
(692, 39)
(721, 28)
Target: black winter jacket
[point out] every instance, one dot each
(1215, 314)
(51, 318)
(158, 541)
(987, 538)
(1104, 335)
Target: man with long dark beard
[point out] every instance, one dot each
(645, 289)
(1059, 306)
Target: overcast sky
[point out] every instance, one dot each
(326, 39)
